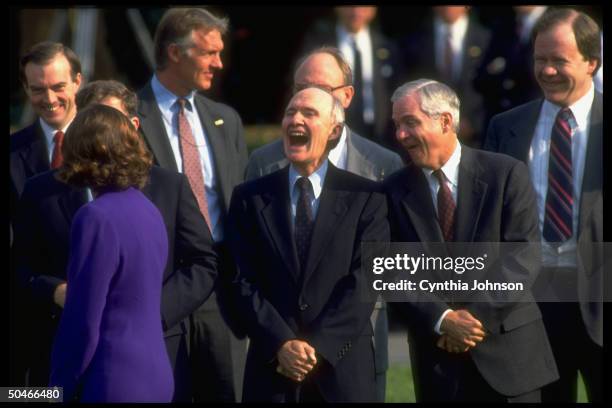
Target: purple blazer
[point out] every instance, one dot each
(109, 345)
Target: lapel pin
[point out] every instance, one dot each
(218, 122)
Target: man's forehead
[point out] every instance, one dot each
(312, 96)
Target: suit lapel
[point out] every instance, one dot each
(277, 217)
(217, 144)
(470, 197)
(356, 159)
(593, 169)
(417, 203)
(522, 132)
(154, 131)
(35, 154)
(332, 208)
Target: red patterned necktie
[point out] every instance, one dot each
(446, 207)
(56, 158)
(558, 216)
(191, 161)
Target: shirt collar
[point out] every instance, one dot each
(336, 153)
(165, 98)
(450, 168)
(49, 132)
(581, 109)
(316, 178)
(457, 29)
(360, 38)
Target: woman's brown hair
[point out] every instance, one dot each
(102, 150)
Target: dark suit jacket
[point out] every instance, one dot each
(495, 203)
(230, 156)
(505, 77)
(42, 237)
(420, 56)
(29, 155)
(511, 133)
(321, 304)
(386, 76)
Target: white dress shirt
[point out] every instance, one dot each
(539, 152)
(364, 44)
(166, 101)
(338, 155)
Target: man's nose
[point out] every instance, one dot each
(49, 96)
(549, 70)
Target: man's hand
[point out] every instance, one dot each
(59, 296)
(296, 358)
(462, 328)
(448, 344)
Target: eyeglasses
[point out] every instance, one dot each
(328, 89)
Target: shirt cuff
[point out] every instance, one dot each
(439, 323)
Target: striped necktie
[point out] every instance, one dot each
(558, 216)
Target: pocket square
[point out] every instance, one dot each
(218, 122)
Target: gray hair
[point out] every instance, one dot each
(176, 27)
(435, 98)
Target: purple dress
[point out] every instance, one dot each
(109, 345)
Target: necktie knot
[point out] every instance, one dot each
(58, 137)
(439, 175)
(565, 114)
(182, 103)
(303, 184)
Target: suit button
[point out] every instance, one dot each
(304, 306)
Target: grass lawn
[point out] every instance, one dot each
(401, 389)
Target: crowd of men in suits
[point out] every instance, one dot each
(267, 248)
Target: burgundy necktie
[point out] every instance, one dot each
(191, 161)
(446, 207)
(558, 215)
(56, 158)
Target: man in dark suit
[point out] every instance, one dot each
(560, 138)
(375, 63)
(203, 139)
(449, 48)
(326, 68)
(51, 76)
(296, 235)
(45, 212)
(504, 78)
(451, 192)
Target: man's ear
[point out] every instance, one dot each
(336, 132)
(135, 121)
(447, 122)
(349, 92)
(174, 52)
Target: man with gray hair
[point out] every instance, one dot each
(464, 351)
(296, 234)
(326, 68)
(203, 139)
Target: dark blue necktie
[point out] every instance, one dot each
(558, 216)
(304, 219)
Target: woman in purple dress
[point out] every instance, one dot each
(109, 346)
